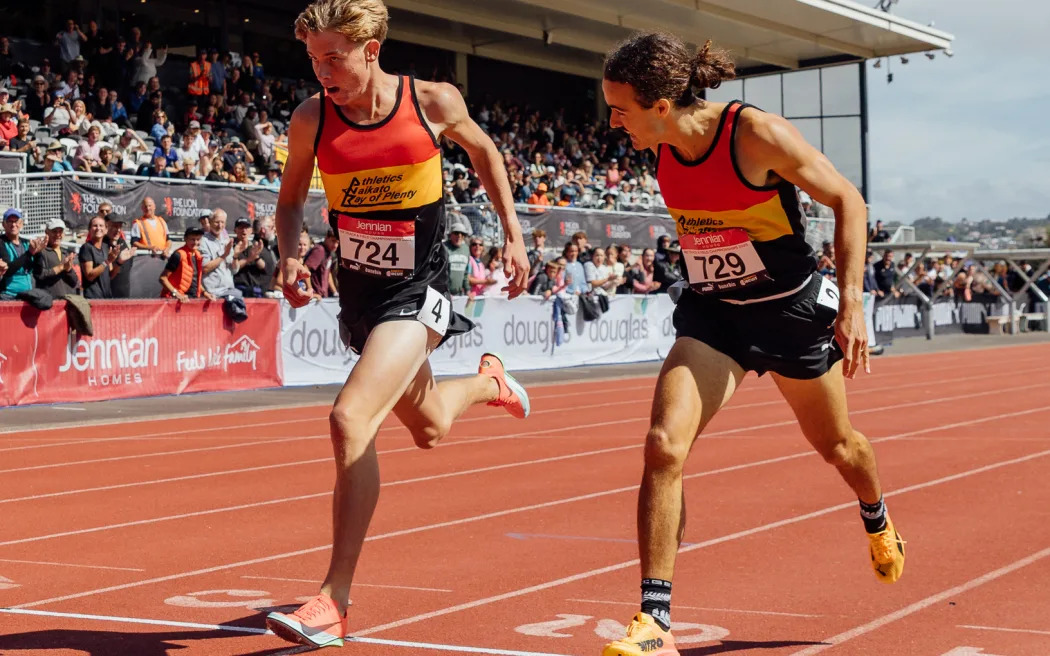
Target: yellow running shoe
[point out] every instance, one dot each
(512, 395)
(644, 638)
(316, 623)
(887, 553)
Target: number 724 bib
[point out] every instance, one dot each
(721, 261)
(375, 247)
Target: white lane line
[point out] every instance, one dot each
(356, 584)
(44, 562)
(253, 630)
(922, 604)
(717, 610)
(700, 545)
(315, 495)
(1002, 628)
(510, 511)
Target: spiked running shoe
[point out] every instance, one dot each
(512, 394)
(316, 623)
(887, 553)
(644, 638)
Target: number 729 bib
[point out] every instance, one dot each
(375, 247)
(722, 260)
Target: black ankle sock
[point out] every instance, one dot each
(874, 516)
(656, 601)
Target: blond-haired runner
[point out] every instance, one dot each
(754, 301)
(375, 138)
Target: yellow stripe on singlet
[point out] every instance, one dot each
(764, 222)
(388, 188)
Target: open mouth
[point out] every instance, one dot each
(331, 90)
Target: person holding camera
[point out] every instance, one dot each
(233, 153)
(59, 114)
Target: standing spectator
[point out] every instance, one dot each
(137, 98)
(247, 255)
(8, 125)
(669, 271)
(304, 246)
(878, 234)
(120, 284)
(545, 281)
(539, 240)
(150, 231)
(662, 242)
(641, 277)
(539, 197)
(319, 262)
(18, 256)
(599, 275)
(200, 77)
(126, 152)
(183, 274)
(68, 42)
(147, 62)
(7, 59)
(477, 276)
(871, 284)
(216, 248)
(38, 100)
(575, 276)
(826, 263)
(580, 239)
(458, 256)
(266, 138)
(885, 273)
(217, 83)
(257, 279)
(98, 262)
(53, 270)
(496, 271)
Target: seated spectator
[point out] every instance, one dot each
(157, 168)
(166, 150)
(240, 173)
(272, 178)
(641, 276)
(233, 153)
(106, 163)
(37, 100)
(22, 141)
(137, 98)
(8, 125)
(127, 149)
(87, 154)
(265, 135)
(159, 127)
(319, 262)
(187, 153)
(669, 271)
(98, 262)
(539, 197)
(55, 159)
(52, 270)
(79, 122)
(18, 256)
(150, 231)
(58, 116)
(183, 274)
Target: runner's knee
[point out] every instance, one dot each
(841, 449)
(352, 431)
(428, 436)
(664, 450)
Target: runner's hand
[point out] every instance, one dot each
(294, 271)
(516, 267)
(852, 336)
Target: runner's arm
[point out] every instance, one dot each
(291, 198)
(444, 107)
(770, 138)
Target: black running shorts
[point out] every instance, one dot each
(356, 322)
(792, 336)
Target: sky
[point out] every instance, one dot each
(967, 136)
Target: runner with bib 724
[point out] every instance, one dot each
(375, 139)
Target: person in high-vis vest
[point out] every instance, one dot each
(150, 231)
(184, 272)
(200, 76)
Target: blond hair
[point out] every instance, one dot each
(357, 20)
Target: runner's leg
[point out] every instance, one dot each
(819, 405)
(428, 408)
(695, 381)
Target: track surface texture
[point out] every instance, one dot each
(517, 537)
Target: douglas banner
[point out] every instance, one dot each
(181, 204)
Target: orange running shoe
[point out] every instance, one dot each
(644, 638)
(316, 623)
(512, 394)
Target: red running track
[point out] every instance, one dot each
(517, 537)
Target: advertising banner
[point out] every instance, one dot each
(140, 348)
(635, 329)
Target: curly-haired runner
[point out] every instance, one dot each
(753, 301)
(375, 138)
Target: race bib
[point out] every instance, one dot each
(436, 312)
(828, 296)
(385, 249)
(722, 260)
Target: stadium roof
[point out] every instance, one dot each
(572, 35)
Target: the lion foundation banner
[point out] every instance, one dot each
(140, 348)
